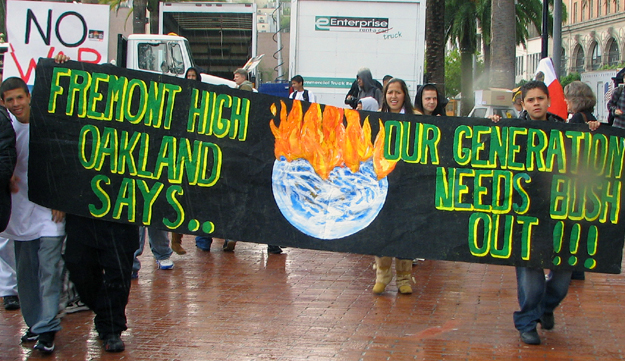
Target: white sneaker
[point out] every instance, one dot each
(165, 264)
(76, 306)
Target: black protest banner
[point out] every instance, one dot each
(193, 158)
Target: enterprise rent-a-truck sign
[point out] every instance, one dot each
(332, 39)
(340, 23)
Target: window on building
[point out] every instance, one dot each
(596, 56)
(590, 8)
(613, 52)
(607, 6)
(599, 7)
(583, 13)
(579, 59)
(617, 4)
(532, 62)
(575, 13)
(519, 66)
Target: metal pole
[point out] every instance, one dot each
(545, 33)
(557, 36)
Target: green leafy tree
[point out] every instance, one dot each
(569, 78)
(462, 24)
(453, 72)
(461, 27)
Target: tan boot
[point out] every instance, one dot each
(383, 273)
(403, 268)
(176, 243)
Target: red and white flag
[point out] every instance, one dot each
(556, 94)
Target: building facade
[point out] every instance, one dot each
(593, 36)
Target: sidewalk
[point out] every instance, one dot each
(311, 305)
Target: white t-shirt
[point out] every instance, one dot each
(29, 221)
(300, 96)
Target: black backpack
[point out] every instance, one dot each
(305, 95)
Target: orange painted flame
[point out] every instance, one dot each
(381, 165)
(325, 142)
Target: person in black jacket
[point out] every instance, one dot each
(98, 256)
(538, 295)
(8, 158)
(364, 86)
(429, 101)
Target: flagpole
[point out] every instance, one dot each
(557, 36)
(545, 32)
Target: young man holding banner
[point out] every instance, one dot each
(538, 295)
(99, 256)
(38, 232)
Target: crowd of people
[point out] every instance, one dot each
(53, 263)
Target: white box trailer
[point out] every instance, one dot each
(222, 35)
(601, 83)
(332, 39)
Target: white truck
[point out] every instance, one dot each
(44, 29)
(493, 102)
(332, 39)
(161, 54)
(601, 83)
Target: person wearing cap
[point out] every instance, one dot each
(616, 105)
(516, 101)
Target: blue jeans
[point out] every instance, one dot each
(537, 295)
(39, 282)
(159, 244)
(203, 243)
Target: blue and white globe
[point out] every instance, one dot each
(340, 206)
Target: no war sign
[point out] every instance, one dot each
(185, 156)
(44, 29)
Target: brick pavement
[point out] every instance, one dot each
(311, 305)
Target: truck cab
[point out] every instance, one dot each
(160, 54)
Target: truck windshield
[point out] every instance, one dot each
(152, 57)
(177, 61)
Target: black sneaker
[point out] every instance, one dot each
(11, 303)
(45, 343)
(113, 343)
(547, 321)
(30, 336)
(274, 249)
(530, 337)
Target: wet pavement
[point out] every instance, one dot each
(312, 305)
